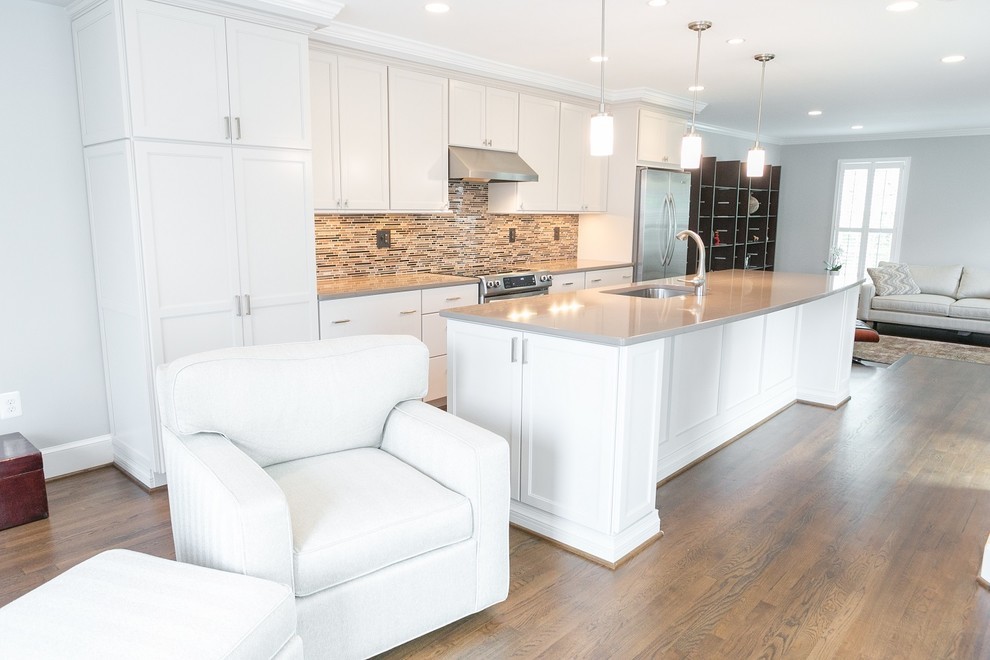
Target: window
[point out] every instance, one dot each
(869, 211)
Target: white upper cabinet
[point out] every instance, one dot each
(200, 77)
(539, 141)
(483, 117)
(659, 139)
(582, 178)
(417, 138)
(350, 133)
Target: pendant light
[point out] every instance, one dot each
(602, 129)
(757, 157)
(691, 143)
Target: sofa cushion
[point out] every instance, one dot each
(388, 512)
(282, 402)
(124, 604)
(893, 280)
(920, 303)
(936, 280)
(975, 283)
(971, 308)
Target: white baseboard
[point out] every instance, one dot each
(77, 456)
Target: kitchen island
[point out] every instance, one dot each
(603, 395)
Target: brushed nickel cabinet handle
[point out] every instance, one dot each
(237, 125)
(453, 298)
(408, 311)
(247, 305)
(226, 126)
(340, 321)
(237, 305)
(512, 350)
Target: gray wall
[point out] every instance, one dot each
(946, 217)
(49, 329)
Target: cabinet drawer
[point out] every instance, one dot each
(567, 282)
(435, 333)
(608, 277)
(384, 313)
(449, 296)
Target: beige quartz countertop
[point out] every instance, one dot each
(571, 265)
(346, 287)
(607, 318)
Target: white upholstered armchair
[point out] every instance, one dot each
(316, 465)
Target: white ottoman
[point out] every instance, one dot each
(123, 604)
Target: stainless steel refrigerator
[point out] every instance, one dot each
(663, 201)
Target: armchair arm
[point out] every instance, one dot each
(468, 460)
(227, 513)
(866, 292)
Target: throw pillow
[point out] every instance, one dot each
(893, 280)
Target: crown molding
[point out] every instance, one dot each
(879, 137)
(742, 135)
(389, 45)
(298, 15)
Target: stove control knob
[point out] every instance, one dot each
(546, 278)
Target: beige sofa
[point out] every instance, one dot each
(950, 298)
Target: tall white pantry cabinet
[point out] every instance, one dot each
(196, 139)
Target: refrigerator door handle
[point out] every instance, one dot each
(671, 213)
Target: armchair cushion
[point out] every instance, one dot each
(284, 402)
(358, 511)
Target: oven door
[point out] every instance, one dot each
(520, 294)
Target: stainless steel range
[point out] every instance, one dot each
(523, 284)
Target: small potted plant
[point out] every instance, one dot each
(833, 263)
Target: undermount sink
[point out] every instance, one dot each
(653, 291)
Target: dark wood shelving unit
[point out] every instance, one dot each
(735, 215)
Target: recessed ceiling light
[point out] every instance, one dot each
(953, 59)
(903, 5)
(597, 59)
(857, 127)
(696, 88)
(657, 3)
(814, 113)
(437, 7)
(735, 41)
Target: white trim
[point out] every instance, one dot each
(76, 456)
(137, 467)
(880, 137)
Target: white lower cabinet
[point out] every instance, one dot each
(564, 282)
(415, 313)
(380, 314)
(545, 396)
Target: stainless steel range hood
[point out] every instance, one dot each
(467, 164)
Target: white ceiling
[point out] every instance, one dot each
(852, 59)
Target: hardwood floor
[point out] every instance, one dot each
(855, 533)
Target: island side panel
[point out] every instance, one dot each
(825, 347)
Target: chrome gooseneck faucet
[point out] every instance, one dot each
(699, 279)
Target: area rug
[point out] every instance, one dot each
(891, 349)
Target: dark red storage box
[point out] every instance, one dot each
(23, 497)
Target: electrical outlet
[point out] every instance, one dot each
(512, 235)
(10, 405)
(556, 233)
(383, 238)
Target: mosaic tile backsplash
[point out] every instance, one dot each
(467, 242)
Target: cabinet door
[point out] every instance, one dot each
(574, 151)
(502, 119)
(467, 115)
(569, 390)
(594, 185)
(276, 245)
(177, 70)
(484, 383)
(380, 314)
(189, 237)
(269, 85)
(659, 139)
(608, 277)
(361, 115)
(417, 127)
(539, 122)
(95, 40)
(326, 178)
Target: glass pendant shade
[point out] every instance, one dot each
(602, 134)
(691, 151)
(755, 161)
